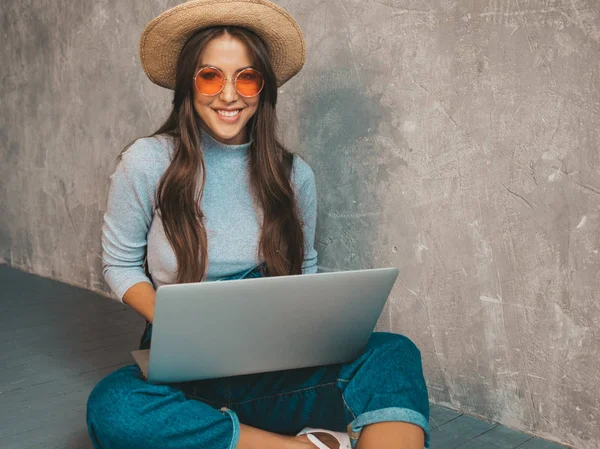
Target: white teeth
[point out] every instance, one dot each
(229, 113)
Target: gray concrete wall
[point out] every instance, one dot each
(456, 140)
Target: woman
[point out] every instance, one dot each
(212, 194)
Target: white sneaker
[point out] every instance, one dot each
(341, 437)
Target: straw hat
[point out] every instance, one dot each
(164, 37)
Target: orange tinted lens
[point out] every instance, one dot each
(209, 81)
(249, 82)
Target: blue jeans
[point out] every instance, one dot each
(384, 384)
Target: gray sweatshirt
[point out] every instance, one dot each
(131, 227)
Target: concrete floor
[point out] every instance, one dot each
(58, 341)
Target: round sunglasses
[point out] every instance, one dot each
(211, 81)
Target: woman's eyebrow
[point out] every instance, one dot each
(237, 71)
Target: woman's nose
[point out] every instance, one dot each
(229, 94)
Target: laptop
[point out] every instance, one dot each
(206, 330)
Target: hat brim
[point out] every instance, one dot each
(164, 37)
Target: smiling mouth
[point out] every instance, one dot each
(224, 113)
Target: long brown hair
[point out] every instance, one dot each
(270, 165)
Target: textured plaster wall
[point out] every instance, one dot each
(456, 140)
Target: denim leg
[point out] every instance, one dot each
(286, 401)
(126, 412)
(386, 383)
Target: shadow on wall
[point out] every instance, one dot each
(339, 128)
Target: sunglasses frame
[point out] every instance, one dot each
(234, 80)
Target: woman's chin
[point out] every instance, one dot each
(227, 134)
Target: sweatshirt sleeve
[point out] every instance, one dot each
(306, 198)
(128, 215)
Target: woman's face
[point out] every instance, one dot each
(230, 55)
